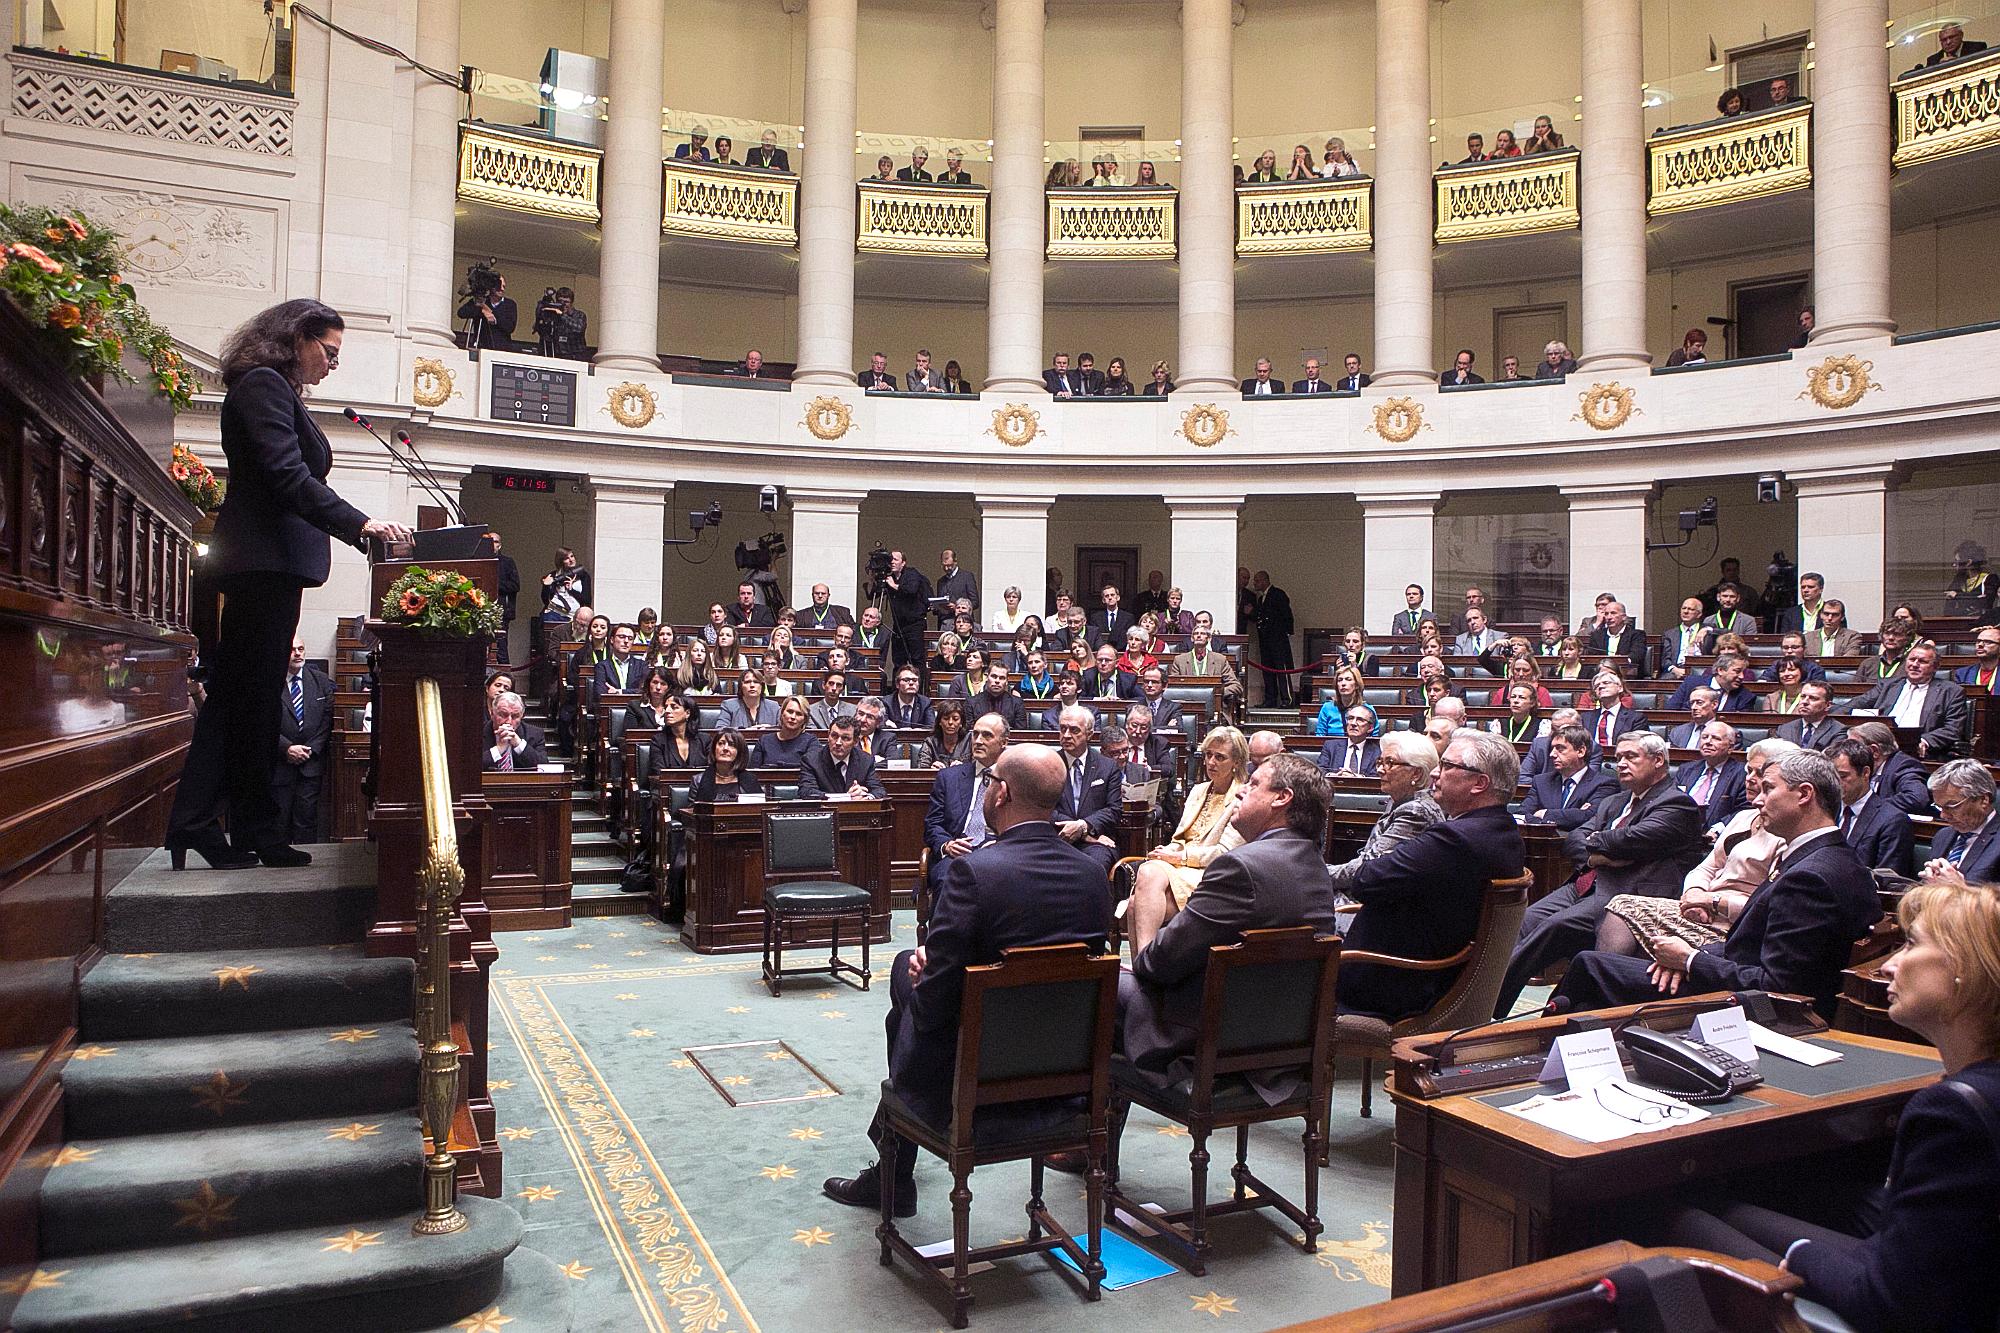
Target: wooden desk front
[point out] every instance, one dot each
(725, 869)
(526, 849)
(1479, 1190)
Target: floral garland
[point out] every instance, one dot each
(63, 272)
(197, 483)
(440, 602)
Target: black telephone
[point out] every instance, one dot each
(1689, 1070)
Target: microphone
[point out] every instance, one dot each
(426, 482)
(437, 487)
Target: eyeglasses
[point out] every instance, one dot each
(1453, 763)
(1650, 1112)
(332, 352)
(1948, 806)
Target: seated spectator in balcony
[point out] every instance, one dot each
(1544, 139)
(1238, 169)
(953, 380)
(1730, 103)
(1090, 380)
(1475, 150)
(954, 172)
(1303, 167)
(751, 367)
(1504, 146)
(885, 169)
(1312, 383)
(1266, 170)
(1339, 163)
(1970, 592)
(1261, 385)
(1556, 361)
(723, 149)
(1104, 173)
(878, 377)
(1692, 351)
(1117, 384)
(1779, 91)
(923, 379)
(914, 174)
(767, 156)
(1060, 380)
(1461, 371)
(1163, 381)
(1952, 46)
(1804, 334)
(1355, 379)
(1510, 370)
(1072, 173)
(1149, 178)
(696, 148)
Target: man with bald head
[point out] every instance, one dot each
(1026, 887)
(1264, 744)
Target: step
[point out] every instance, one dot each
(536, 1296)
(160, 910)
(367, 1274)
(606, 868)
(165, 1084)
(243, 990)
(202, 1186)
(606, 900)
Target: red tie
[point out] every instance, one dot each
(1604, 730)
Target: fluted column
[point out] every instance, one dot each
(826, 196)
(1607, 546)
(1399, 536)
(1403, 242)
(628, 262)
(1613, 191)
(1208, 200)
(1851, 187)
(1014, 228)
(433, 178)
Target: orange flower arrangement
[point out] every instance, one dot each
(197, 483)
(440, 602)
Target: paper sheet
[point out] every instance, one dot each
(1777, 1043)
(1590, 1116)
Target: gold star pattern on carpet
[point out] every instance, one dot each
(806, 1134)
(70, 1155)
(354, 1035)
(1172, 1131)
(737, 1009)
(642, 1032)
(545, 958)
(219, 1094)
(811, 1236)
(93, 1052)
(583, 946)
(614, 934)
(777, 1055)
(824, 995)
(205, 1210)
(503, 971)
(39, 1280)
(600, 967)
(540, 1193)
(779, 1172)
(735, 1080)
(350, 1241)
(486, 1321)
(499, 1084)
(1213, 1304)
(354, 1132)
(635, 953)
(680, 1064)
(629, 995)
(575, 1269)
(517, 1133)
(238, 975)
(833, 1013)
(531, 939)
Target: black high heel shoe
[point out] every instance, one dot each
(210, 848)
(281, 856)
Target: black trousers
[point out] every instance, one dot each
(1553, 930)
(897, 1153)
(236, 744)
(297, 795)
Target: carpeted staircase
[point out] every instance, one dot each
(244, 1150)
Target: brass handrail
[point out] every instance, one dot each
(439, 885)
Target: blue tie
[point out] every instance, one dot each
(1956, 852)
(298, 703)
(1569, 790)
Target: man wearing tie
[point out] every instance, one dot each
(906, 708)
(1568, 793)
(1354, 381)
(838, 768)
(305, 724)
(1611, 719)
(1880, 834)
(1715, 781)
(1937, 708)
(1262, 385)
(1312, 383)
(955, 822)
(878, 376)
(515, 746)
(767, 155)
(1061, 381)
(1968, 852)
(1414, 611)
(1109, 625)
(619, 673)
(1356, 753)
(1461, 372)
(1815, 726)
(1690, 638)
(1093, 789)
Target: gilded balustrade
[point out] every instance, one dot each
(921, 219)
(1112, 224)
(1949, 109)
(1316, 218)
(1722, 161)
(530, 173)
(729, 203)
(1514, 196)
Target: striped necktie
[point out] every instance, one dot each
(298, 702)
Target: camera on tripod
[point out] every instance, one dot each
(757, 556)
(482, 281)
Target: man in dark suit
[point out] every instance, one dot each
(1274, 639)
(305, 724)
(1355, 379)
(1356, 752)
(1536, 761)
(1422, 899)
(1687, 639)
(823, 613)
(1726, 679)
(618, 673)
(955, 584)
(909, 711)
(511, 744)
(1093, 788)
(1803, 614)
(767, 155)
(1167, 715)
(1312, 383)
(1937, 708)
(1703, 702)
(1880, 834)
(1952, 46)
(839, 767)
(696, 148)
(954, 822)
(1025, 888)
(748, 610)
(1797, 930)
(1108, 624)
(510, 593)
(1568, 793)
(1814, 725)
(1985, 668)
(1105, 680)
(1461, 371)
(878, 377)
(914, 174)
(1414, 611)
(1644, 841)
(1261, 385)
(1714, 782)
(1898, 777)
(1618, 637)
(954, 172)
(1970, 848)
(997, 697)
(1089, 379)
(1611, 719)
(1060, 380)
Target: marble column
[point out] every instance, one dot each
(826, 544)
(1204, 554)
(1399, 542)
(826, 196)
(1207, 200)
(1607, 547)
(429, 282)
(1013, 550)
(1843, 534)
(1015, 210)
(1403, 238)
(627, 561)
(1851, 109)
(1613, 190)
(628, 259)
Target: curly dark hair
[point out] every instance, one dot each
(271, 338)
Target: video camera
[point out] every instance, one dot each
(758, 556)
(482, 280)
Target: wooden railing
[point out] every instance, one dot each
(1722, 161)
(1305, 218)
(729, 203)
(528, 172)
(899, 219)
(1950, 109)
(1515, 196)
(1112, 224)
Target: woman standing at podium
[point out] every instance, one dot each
(270, 545)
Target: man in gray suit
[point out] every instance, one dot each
(1478, 635)
(1644, 841)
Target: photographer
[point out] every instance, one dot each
(559, 325)
(564, 589)
(489, 313)
(909, 603)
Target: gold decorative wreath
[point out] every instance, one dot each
(1398, 420)
(828, 417)
(631, 405)
(1839, 381)
(1204, 425)
(430, 382)
(1605, 406)
(1015, 424)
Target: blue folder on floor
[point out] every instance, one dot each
(1125, 1262)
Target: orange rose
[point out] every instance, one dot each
(478, 597)
(65, 315)
(414, 602)
(35, 256)
(76, 228)
(56, 234)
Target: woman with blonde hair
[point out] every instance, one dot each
(1332, 719)
(1205, 832)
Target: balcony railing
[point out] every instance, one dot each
(921, 220)
(1112, 224)
(1514, 196)
(729, 203)
(1722, 161)
(528, 172)
(1953, 108)
(1318, 218)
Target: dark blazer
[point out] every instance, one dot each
(1945, 720)
(1728, 795)
(1154, 389)
(1798, 929)
(1829, 728)
(1545, 799)
(913, 175)
(1353, 383)
(1008, 706)
(1661, 842)
(316, 695)
(1250, 387)
(1740, 700)
(1981, 863)
(1027, 888)
(958, 584)
(836, 616)
(1053, 381)
(918, 716)
(605, 680)
(818, 776)
(1311, 386)
(1449, 378)
(664, 758)
(1111, 631)
(535, 755)
(950, 805)
(1167, 714)
(1628, 719)
(1811, 669)
(278, 511)
(1631, 646)
(868, 379)
(1333, 756)
(1905, 782)
(1793, 618)
(1669, 654)
(1422, 900)
(1090, 383)
(759, 616)
(1965, 48)
(704, 786)
(959, 177)
(1883, 837)
(1103, 793)
(770, 159)
(1684, 735)
(1089, 684)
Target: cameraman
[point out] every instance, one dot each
(489, 313)
(909, 604)
(559, 325)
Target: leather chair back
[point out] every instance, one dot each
(1477, 988)
(799, 841)
(1036, 1025)
(1267, 1006)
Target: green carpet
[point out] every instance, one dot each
(673, 1210)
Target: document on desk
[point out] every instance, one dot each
(1777, 1043)
(1607, 1112)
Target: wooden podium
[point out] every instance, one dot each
(459, 667)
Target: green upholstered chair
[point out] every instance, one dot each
(801, 856)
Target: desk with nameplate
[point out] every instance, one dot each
(725, 870)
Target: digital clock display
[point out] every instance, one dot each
(534, 483)
(531, 393)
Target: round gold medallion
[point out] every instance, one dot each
(430, 382)
(1204, 425)
(1840, 381)
(1604, 406)
(1015, 424)
(1398, 420)
(828, 417)
(632, 405)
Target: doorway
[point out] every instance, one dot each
(1524, 331)
(1766, 312)
(1098, 565)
